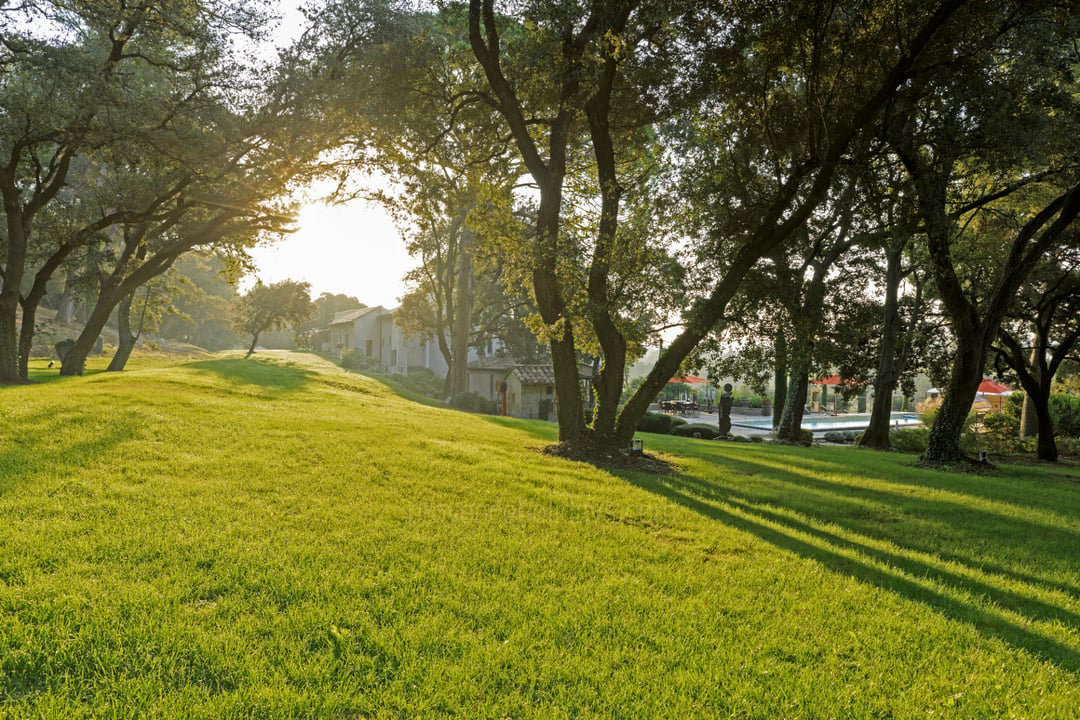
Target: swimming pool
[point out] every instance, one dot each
(834, 422)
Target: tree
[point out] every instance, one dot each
(989, 150)
(116, 89)
(777, 93)
(130, 93)
(1047, 310)
(798, 85)
(135, 315)
(802, 285)
(327, 305)
(402, 82)
(203, 303)
(897, 347)
(551, 92)
(283, 304)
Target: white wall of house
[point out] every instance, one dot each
(376, 335)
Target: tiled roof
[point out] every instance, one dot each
(535, 374)
(492, 363)
(348, 316)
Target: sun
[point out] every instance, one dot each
(353, 248)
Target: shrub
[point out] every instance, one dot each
(911, 440)
(473, 402)
(928, 410)
(842, 436)
(707, 432)
(423, 381)
(1069, 447)
(659, 423)
(545, 408)
(353, 359)
(356, 360)
(1065, 412)
(1001, 433)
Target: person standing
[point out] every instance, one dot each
(725, 411)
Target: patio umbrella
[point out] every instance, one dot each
(687, 379)
(989, 387)
(994, 392)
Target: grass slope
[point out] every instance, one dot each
(275, 538)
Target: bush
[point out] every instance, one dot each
(545, 407)
(707, 432)
(352, 359)
(473, 402)
(842, 436)
(423, 381)
(659, 423)
(1001, 433)
(356, 360)
(1065, 412)
(1069, 447)
(911, 440)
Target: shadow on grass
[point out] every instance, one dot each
(35, 446)
(541, 429)
(917, 522)
(255, 371)
(760, 512)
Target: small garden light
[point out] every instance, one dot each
(637, 447)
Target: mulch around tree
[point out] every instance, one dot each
(607, 458)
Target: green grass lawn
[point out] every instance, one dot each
(277, 538)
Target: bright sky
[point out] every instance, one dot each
(353, 249)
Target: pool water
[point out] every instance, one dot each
(835, 422)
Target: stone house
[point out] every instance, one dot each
(372, 331)
(530, 390)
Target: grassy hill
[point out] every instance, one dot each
(276, 538)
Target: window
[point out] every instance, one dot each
(367, 348)
(393, 357)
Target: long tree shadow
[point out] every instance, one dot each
(887, 515)
(918, 579)
(998, 486)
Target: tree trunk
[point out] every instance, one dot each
(1047, 448)
(75, 361)
(66, 312)
(790, 426)
(463, 300)
(26, 334)
(1029, 418)
(570, 410)
(15, 261)
(608, 381)
(254, 342)
(32, 301)
(127, 337)
(877, 434)
(943, 444)
(780, 378)
(9, 356)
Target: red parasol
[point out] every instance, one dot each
(687, 379)
(989, 387)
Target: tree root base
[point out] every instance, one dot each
(606, 457)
